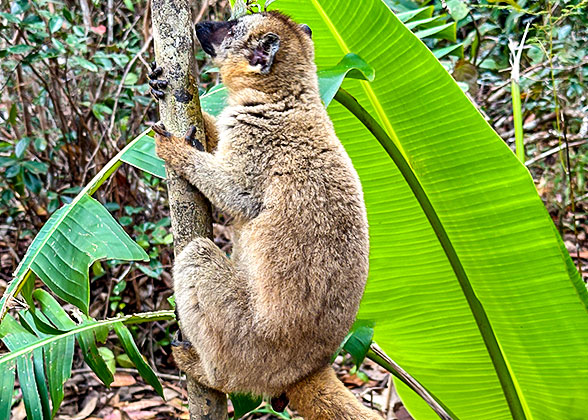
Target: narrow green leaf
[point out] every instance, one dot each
(422, 13)
(517, 116)
(28, 386)
(58, 354)
(20, 49)
(447, 31)
(55, 23)
(21, 147)
(16, 337)
(131, 350)
(215, 100)
(431, 22)
(10, 17)
(40, 380)
(92, 356)
(82, 62)
(455, 50)
(58, 362)
(7, 374)
(53, 310)
(350, 66)
(358, 344)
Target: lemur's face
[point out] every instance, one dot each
(252, 43)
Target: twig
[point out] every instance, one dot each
(86, 15)
(553, 152)
(568, 169)
(109, 21)
(205, 4)
(165, 376)
(121, 85)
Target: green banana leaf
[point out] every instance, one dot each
(502, 236)
(43, 361)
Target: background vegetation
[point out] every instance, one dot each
(74, 92)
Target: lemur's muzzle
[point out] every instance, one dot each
(211, 34)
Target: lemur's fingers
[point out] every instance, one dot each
(160, 129)
(157, 94)
(192, 141)
(153, 65)
(158, 84)
(157, 71)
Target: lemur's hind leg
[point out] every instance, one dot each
(189, 361)
(212, 303)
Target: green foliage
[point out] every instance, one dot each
(43, 360)
(70, 105)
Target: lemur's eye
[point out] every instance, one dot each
(231, 32)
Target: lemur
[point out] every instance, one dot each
(268, 319)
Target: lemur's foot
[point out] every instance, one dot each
(188, 360)
(157, 85)
(280, 403)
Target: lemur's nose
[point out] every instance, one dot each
(211, 34)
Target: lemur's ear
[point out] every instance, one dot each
(265, 52)
(306, 29)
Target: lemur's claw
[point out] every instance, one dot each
(192, 141)
(280, 403)
(178, 341)
(160, 129)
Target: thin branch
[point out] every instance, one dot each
(122, 82)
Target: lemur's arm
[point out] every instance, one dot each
(206, 173)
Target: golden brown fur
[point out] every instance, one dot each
(268, 319)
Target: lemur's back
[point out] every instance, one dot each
(305, 256)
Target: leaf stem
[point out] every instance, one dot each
(480, 316)
(377, 355)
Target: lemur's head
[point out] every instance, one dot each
(262, 50)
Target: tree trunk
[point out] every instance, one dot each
(173, 37)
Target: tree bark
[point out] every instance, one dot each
(173, 36)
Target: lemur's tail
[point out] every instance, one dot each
(321, 396)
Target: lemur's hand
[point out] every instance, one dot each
(157, 85)
(175, 150)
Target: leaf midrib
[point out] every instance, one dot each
(144, 317)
